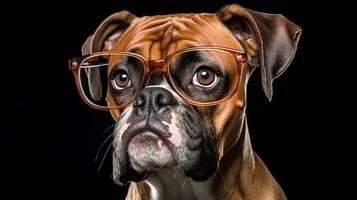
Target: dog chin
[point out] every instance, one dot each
(146, 145)
(148, 152)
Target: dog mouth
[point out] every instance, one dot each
(144, 145)
(147, 137)
(151, 131)
(148, 151)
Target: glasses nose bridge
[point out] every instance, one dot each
(158, 65)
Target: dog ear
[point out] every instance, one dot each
(270, 40)
(104, 39)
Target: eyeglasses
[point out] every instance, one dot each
(202, 76)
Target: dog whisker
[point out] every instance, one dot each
(107, 129)
(105, 141)
(223, 180)
(183, 185)
(163, 164)
(105, 155)
(101, 146)
(147, 171)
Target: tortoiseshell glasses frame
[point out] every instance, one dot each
(163, 65)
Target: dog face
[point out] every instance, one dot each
(159, 129)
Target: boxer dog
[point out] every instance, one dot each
(176, 86)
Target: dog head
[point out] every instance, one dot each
(159, 128)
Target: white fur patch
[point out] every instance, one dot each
(124, 128)
(174, 130)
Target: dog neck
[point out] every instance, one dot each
(241, 175)
(174, 185)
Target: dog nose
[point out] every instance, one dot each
(154, 98)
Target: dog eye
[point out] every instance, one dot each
(205, 78)
(121, 80)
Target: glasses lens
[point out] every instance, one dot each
(121, 74)
(204, 76)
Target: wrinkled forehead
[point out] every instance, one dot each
(157, 36)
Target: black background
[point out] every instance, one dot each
(48, 151)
